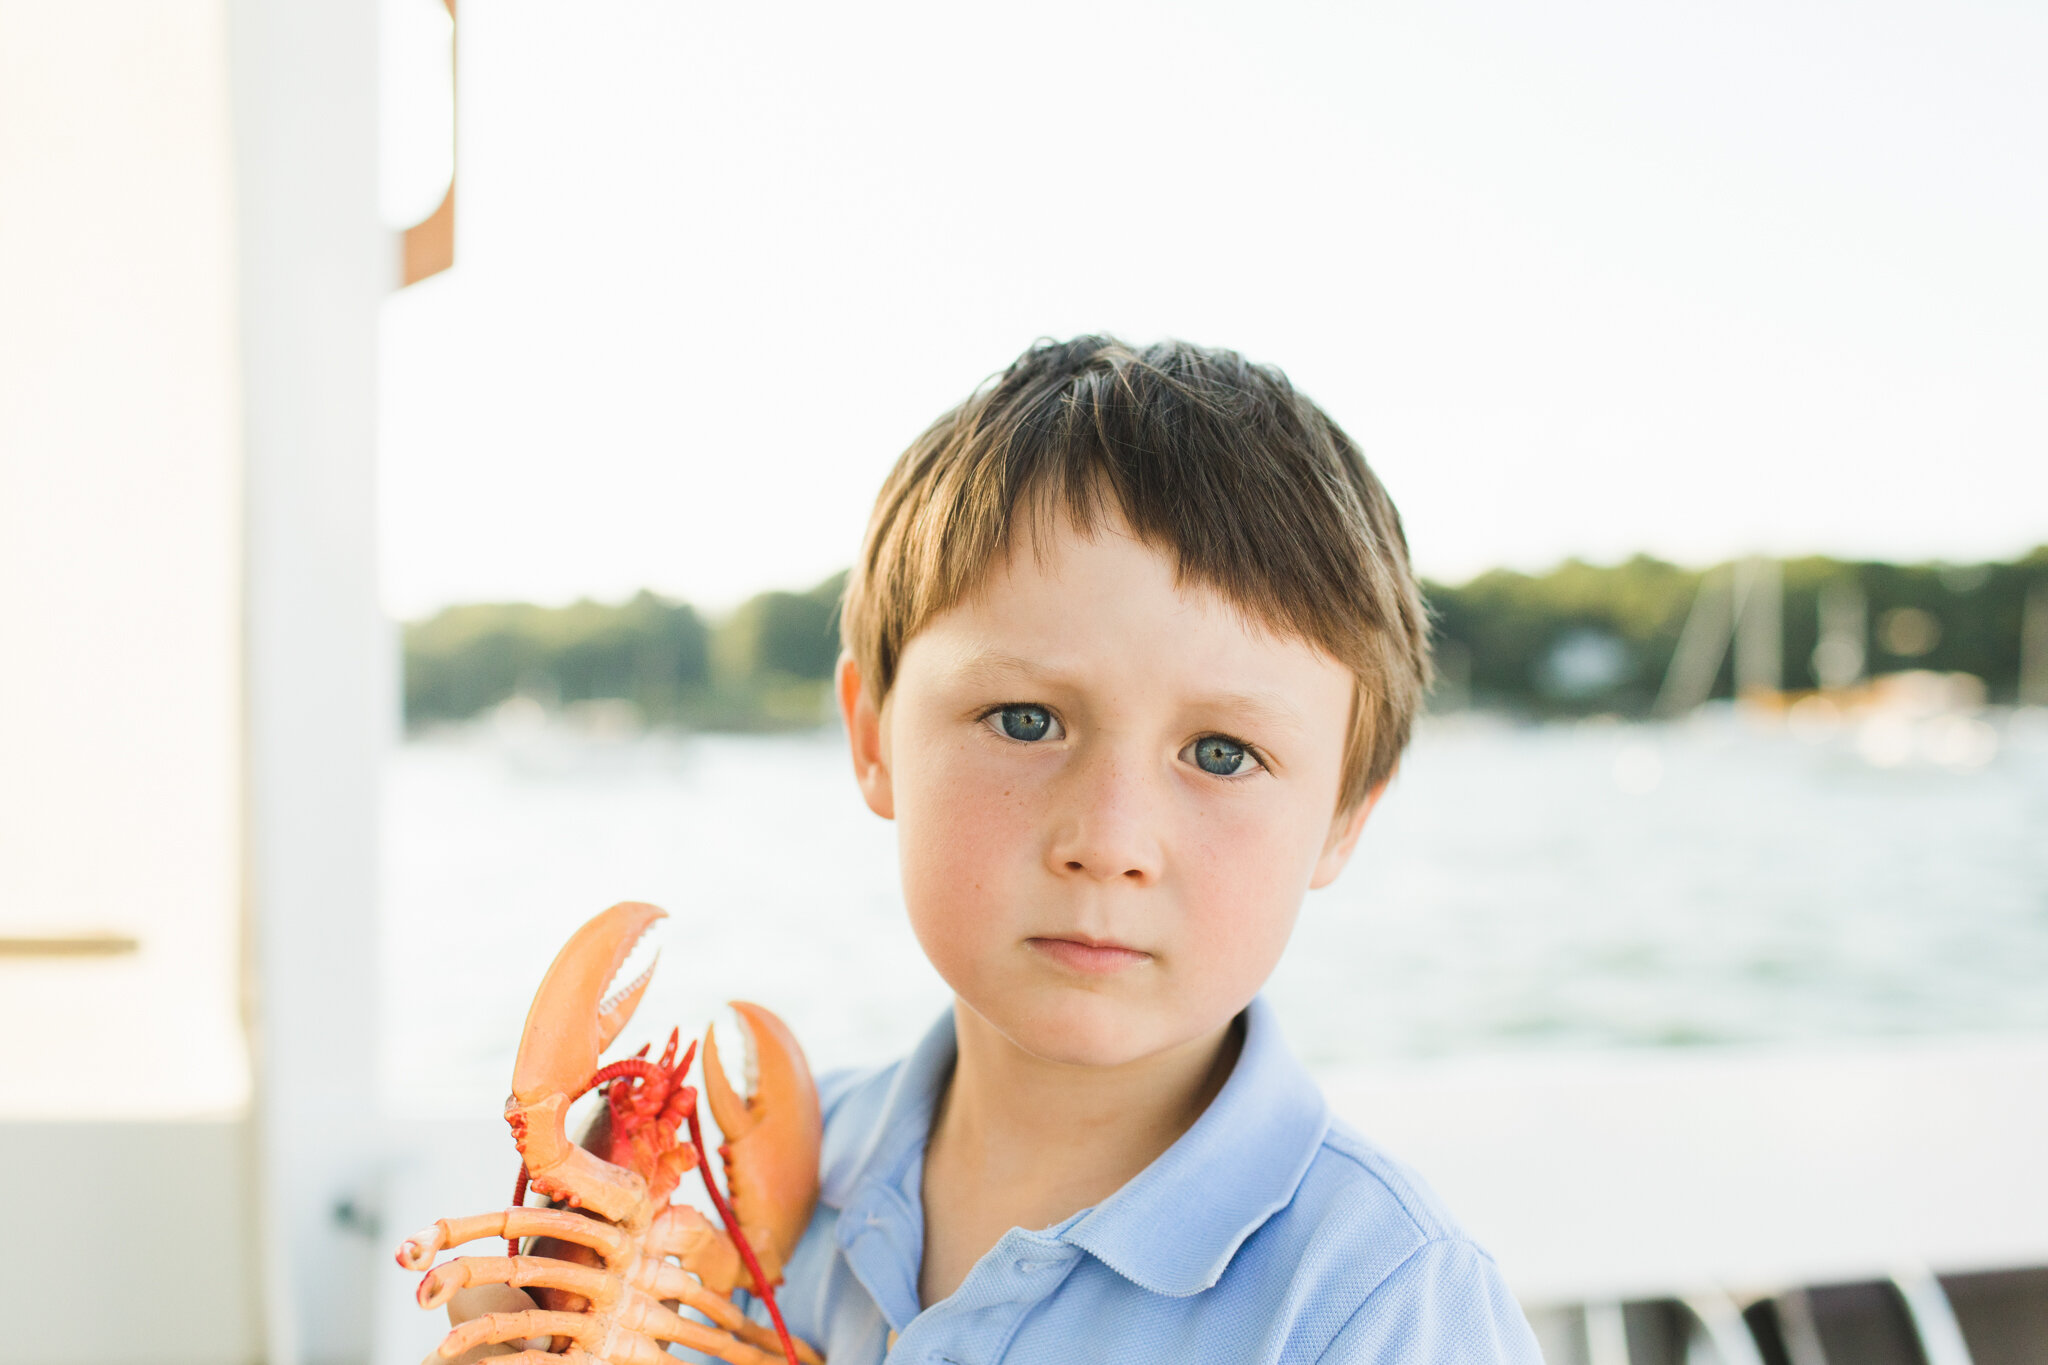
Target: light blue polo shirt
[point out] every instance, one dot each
(1268, 1233)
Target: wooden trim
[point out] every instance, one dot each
(429, 245)
(69, 945)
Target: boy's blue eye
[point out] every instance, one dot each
(1025, 722)
(1223, 757)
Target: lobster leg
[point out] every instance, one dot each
(643, 1324)
(417, 1252)
(522, 1272)
(664, 1325)
(684, 1233)
(657, 1279)
(667, 1282)
(498, 1328)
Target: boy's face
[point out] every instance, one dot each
(1111, 793)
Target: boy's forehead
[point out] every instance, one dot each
(1061, 584)
(1082, 608)
(1061, 577)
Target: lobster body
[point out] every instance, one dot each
(618, 1252)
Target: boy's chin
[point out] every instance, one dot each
(1085, 1029)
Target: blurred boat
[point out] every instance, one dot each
(1897, 720)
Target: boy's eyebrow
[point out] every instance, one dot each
(1260, 707)
(987, 665)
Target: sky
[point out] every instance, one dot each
(1582, 279)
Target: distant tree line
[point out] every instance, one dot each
(1578, 639)
(766, 666)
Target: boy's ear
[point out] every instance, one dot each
(1344, 832)
(864, 734)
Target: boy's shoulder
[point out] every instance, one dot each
(1362, 1219)
(1353, 1183)
(1362, 1262)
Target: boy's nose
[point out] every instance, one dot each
(1105, 829)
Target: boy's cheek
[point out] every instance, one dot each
(957, 789)
(965, 838)
(1245, 848)
(1241, 877)
(964, 908)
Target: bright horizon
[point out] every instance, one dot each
(1585, 281)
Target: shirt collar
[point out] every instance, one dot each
(1173, 1229)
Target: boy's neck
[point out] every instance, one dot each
(1058, 1138)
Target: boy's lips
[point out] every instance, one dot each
(1096, 957)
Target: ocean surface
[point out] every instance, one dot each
(1596, 885)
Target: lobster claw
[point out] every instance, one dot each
(771, 1138)
(567, 1031)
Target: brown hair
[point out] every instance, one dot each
(1250, 488)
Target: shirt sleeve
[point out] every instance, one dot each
(1445, 1303)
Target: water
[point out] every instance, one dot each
(1582, 886)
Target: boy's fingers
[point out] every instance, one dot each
(475, 1301)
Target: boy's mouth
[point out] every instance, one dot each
(1095, 957)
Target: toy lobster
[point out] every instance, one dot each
(616, 1253)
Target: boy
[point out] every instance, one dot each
(1131, 650)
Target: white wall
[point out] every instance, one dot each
(120, 567)
(195, 680)
(124, 1079)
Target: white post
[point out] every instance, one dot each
(1606, 1334)
(315, 262)
(1725, 1327)
(1934, 1318)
